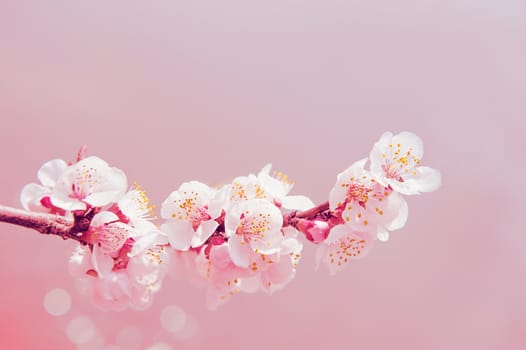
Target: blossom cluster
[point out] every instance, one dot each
(242, 237)
(125, 258)
(367, 202)
(235, 235)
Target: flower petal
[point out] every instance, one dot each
(297, 203)
(409, 141)
(278, 275)
(31, 195)
(336, 255)
(206, 230)
(110, 191)
(382, 235)
(425, 180)
(180, 234)
(102, 263)
(337, 232)
(50, 172)
(396, 205)
(239, 251)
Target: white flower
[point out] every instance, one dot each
(253, 226)
(244, 188)
(128, 278)
(341, 246)
(264, 186)
(275, 271)
(395, 162)
(277, 188)
(89, 182)
(135, 205)
(268, 272)
(365, 204)
(35, 197)
(190, 214)
(107, 232)
(223, 276)
(148, 266)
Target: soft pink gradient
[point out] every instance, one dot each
(171, 91)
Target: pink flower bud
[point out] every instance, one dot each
(315, 230)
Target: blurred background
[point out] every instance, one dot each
(173, 90)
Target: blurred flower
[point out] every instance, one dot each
(126, 279)
(268, 272)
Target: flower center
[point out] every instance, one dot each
(198, 215)
(84, 183)
(358, 193)
(253, 228)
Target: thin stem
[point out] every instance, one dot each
(75, 226)
(307, 214)
(50, 224)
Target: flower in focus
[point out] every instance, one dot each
(190, 214)
(135, 205)
(253, 226)
(90, 182)
(107, 232)
(35, 197)
(274, 188)
(277, 186)
(395, 162)
(366, 205)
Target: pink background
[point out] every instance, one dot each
(171, 91)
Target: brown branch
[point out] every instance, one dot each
(50, 224)
(307, 214)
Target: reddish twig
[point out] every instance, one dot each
(50, 224)
(307, 214)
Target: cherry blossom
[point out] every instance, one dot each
(274, 188)
(90, 182)
(244, 237)
(126, 279)
(253, 226)
(35, 197)
(190, 214)
(107, 232)
(265, 272)
(277, 270)
(277, 186)
(135, 206)
(224, 278)
(395, 162)
(366, 205)
(342, 246)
